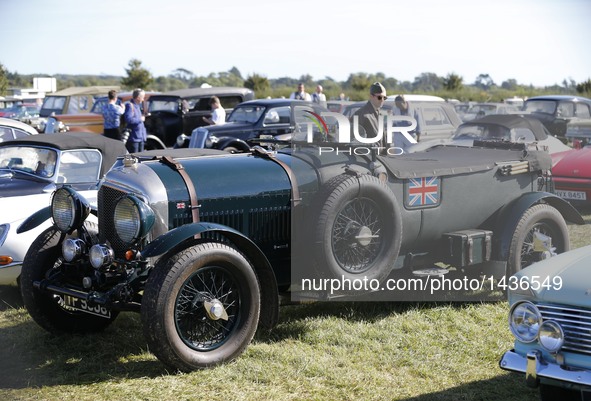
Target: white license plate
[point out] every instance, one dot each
(81, 305)
(574, 195)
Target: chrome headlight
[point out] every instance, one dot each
(551, 336)
(68, 209)
(73, 248)
(133, 219)
(61, 127)
(181, 139)
(524, 321)
(100, 255)
(210, 141)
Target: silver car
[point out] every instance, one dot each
(550, 318)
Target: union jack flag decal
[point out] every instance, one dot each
(422, 192)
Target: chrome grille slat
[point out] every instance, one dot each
(576, 324)
(107, 198)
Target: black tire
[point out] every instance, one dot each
(231, 149)
(176, 324)
(545, 219)
(45, 308)
(553, 393)
(358, 229)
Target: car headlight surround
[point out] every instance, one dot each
(73, 249)
(69, 209)
(100, 255)
(551, 336)
(524, 321)
(182, 139)
(133, 219)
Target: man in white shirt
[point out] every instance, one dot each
(319, 97)
(301, 94)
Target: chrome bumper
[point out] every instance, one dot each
(536, 368)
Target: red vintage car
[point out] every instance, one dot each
(572, 175)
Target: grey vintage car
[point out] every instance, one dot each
(201, 242)
(567, 117)
(550, 318)
(508, 128)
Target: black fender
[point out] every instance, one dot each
(509, 215)
(260, 263)
(37, 218)
(225, 141)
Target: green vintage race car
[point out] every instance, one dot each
(202, 242)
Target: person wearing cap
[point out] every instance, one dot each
(369, 115)
(403, 108)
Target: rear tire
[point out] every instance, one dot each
(541, 218)
(231, 149)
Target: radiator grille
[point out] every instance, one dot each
(576, 324)
(107, 198)
(261, 225)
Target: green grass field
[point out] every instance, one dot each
(320, 351)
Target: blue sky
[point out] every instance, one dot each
(539, 42)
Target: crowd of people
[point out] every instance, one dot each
(135, 135)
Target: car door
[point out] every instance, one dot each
(276, 121)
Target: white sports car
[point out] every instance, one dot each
(30, 170)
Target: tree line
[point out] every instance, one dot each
(451, 86)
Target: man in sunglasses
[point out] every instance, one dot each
(369, 115)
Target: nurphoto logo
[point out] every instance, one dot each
(395, 133)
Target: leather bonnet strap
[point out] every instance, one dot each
(175, 165)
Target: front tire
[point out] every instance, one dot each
(541, 218)
(201, 306)
(46, 309)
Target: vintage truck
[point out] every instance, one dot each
(201, 242)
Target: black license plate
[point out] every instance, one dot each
(82, 305)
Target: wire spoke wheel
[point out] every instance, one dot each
(356, 240)
(199, 327)
(201, 306)
(528, 253)
(356, 230)
(541, 222)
